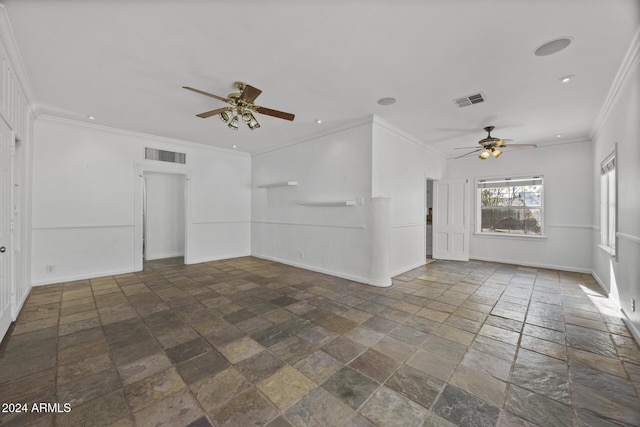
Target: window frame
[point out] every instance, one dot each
(478, 214)
(609, 204)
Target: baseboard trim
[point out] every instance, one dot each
(380, 284)
(600, 283)
(165, 255)
(630, 326)
(409, 268)
(63, 279)
(535, 265)
(19, 306)
(216, 258)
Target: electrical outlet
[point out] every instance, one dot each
(301, 255)
(633, 304)
(49, 268)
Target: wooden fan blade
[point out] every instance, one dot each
(250, 93)
(274, 113)
(464, 148)
(213, 112)
(520, 146)
(205, 93)
(501, 142)
(469, 153)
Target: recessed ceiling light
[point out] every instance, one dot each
(553, 46)
(386, 101)
(318, 121)
(91, 118)
(567, 78)
(234, 146)
(559, 135)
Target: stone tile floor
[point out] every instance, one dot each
(248, 342)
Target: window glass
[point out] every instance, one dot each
(511, 206)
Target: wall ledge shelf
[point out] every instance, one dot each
(330, 203)
(280, 184)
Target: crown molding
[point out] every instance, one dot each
(628, 66)
(399, 132)
(334, 130)
(139, 135)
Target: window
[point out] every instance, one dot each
(510, 206)
(608, 204)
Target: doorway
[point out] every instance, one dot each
(429, 221)
(163, 217)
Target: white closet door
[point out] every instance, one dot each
(6, 247)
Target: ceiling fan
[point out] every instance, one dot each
(241, 107)
(491, 146)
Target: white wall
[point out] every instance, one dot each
(568, 206)
(383, 169)
(401, 166)
(335, 166)
(165, 215)
(621, 126)
(85, 200)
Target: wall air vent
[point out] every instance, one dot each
(465, 101)
(164, 156)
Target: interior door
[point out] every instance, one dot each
(6, 264)
(451, 220)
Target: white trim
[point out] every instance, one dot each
(223, 221)
(372, 119)
(62, 279)
(399, 132)
(579, 226)
(337, 129)
(629, 238)
(629, 63)
(147, 136)
(165, 255)
(405, 269)
(630, 326)
(75, 226)
(514, 236)
(635, 332)
(525, 264)
(408, 225)
(217, 258)
(602, 285)
(352, 277)
(608, 250)
(279, 184)
(329, 203)
(309, 224)
(145, 167)
(477, 217)
(19, 304)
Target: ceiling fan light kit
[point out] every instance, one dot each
(233, 124)
(489, 146)
(242, 105)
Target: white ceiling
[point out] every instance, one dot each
(124, 62)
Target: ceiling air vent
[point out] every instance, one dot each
(164, 156)
(465, 101)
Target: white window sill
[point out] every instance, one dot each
(511, 236)
(608, 249)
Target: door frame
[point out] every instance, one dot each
(426, 212)
(150, 166)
